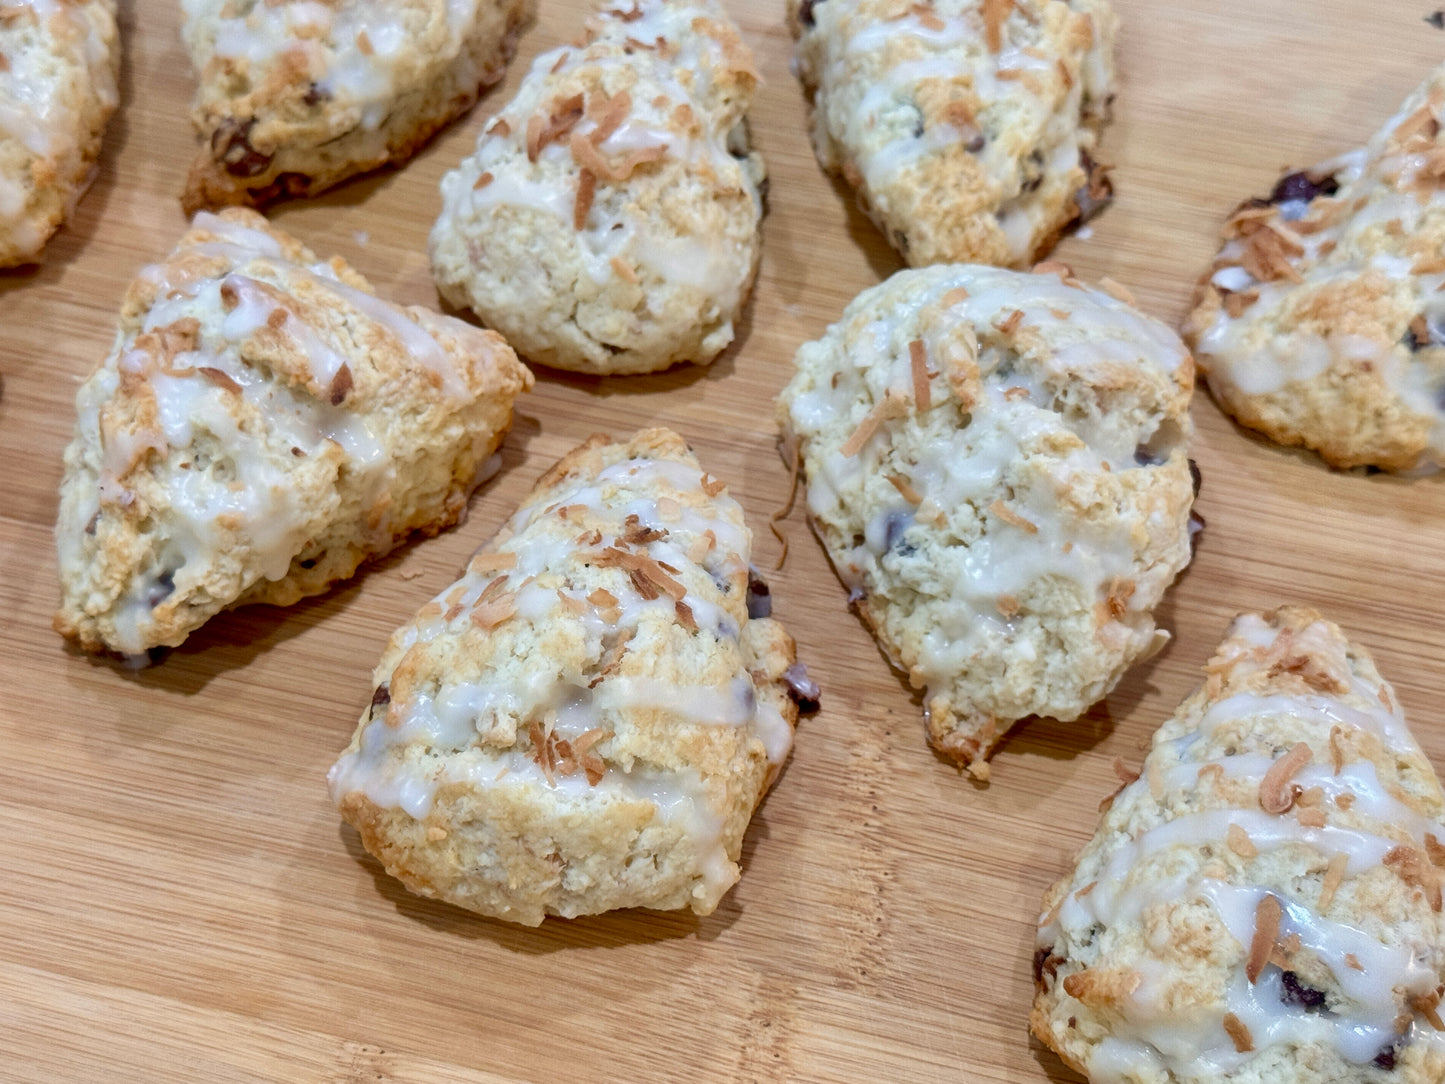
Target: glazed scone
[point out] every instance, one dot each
(997, 464)
(58, 62)
(1322, 321)
(296, 96)
(608, 219)
(263, 425)
(1263, 904)
(966, 127)
(587, 719)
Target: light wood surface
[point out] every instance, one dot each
(180, 901)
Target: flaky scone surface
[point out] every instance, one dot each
(608, 219)
(997, 464)
(58, 62)
(965, 126)
(1263, 903)
(296, 96)
(588, 717)
(262, 425)
(1321, 321)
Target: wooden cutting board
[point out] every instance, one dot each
(179, 899)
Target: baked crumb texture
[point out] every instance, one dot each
(608, 219)
(967, 128)
(1262, 902)
(587, 719)
(263, 425)
(295, 96)
(1322, 322)
(997, 463)
(58, 64)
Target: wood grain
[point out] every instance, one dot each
(180, 901)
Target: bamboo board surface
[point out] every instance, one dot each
(181, 902)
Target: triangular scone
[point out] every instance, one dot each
(966, 127)
(997, 463)
(1263, 903)
(587, 719)
(58, 61)
(1322, 322)
(608, 221)
(296, 96)
(263, 425)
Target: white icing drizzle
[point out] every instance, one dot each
(460, 732)
(1373, 968)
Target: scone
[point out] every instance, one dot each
(608, 220)
(262, 425)
(58, 61)
(296, 96)
(1321, 321)
(1263, 903)
(587, 719)
(966, 127)
(997, 464)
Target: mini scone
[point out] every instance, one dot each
(587, 719)
(997, 465)
(58, 62)
(1322, 322)
(262, 425)
(966, 127)
(295, 97)
(1263, 902)
(608, 219)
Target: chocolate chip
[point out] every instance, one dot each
(1302, 186)
(1414, 341)
(94, 520)
(1144, 458)
(232, 145)
(803, 689)
(805, 11)
(1294, 992)
(976, 144)
(310, 562)
(1095, 193)
(315, 95)
(1385, 1059)
(1045, 963)
(760, 603)
(382, 695)
(161, 589)
(894, 530)
(341, 383)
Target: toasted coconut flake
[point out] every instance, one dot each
(610, 114)
(956, 296)
(635, 534)
(1345, 800)
(1310, 818)
(1276, 791)
(1015, 393)
(1337, 748)
(1007, 605)
(1311, 797)
(1434, 850)
(905, 488)
(1428, 265)
(684, 615)
(1118, 291)
(701, 546)
(1266, 932)
(995, 14)
(1053, 267)
(1236, 304)
(891, 406)
(1214, 771)
(582, 207)
(1238, 841)
(435, 833)
(1009, 516)
(1427, 1005)
(1011, 323)
(224, 380)
(644, 571)
(918, 362)
(571, 603)
(1414, 868)
(1238, 1033)
(586, 154)
(1334, 877)
(1353, 961)
(787, 507)
(560, 63)
(499, 127)
(492, 562)
(484, 179)
(624, 270)
(1125, 774)
(363, 44)
(490, 614)
(712, 486)
(668, 510)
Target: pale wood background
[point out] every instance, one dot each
(179, 901)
